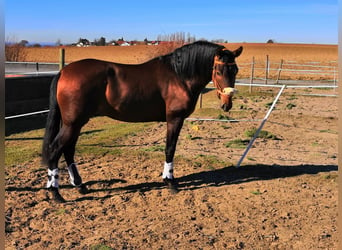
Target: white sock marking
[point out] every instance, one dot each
(52, 178)
(168, 170)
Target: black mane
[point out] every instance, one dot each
(193, 60)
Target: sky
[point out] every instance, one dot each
(284, 21)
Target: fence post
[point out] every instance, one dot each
(37, 68)
(200, 100)
(252, 75)
(335, 82)
(61, 58)
(279, 70)
(260, 127)
(266, 69)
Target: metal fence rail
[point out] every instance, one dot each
(285, 71)
(30, 68)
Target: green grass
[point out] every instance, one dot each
(211, 162)
(103, 135)
(155, 148)
(192, 138)
(109, 136)
(23, 147)
(330, 177)
(290, 105)
(315, 144)
(263, 134)
(99, 137)
(256, 94)
(292, 97)
(328, 131)
(18, 155)
(208, 112)
(100, 247)
(242, 143)
(211, 104)
(237, 143)
(61, 211)
(269, 104)
(222, 117)
(256, 192)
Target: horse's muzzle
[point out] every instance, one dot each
(227, 106)
(226, 99)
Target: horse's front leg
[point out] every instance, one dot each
(173, 129)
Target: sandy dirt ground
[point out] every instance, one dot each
(284, 196)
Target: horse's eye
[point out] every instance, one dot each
(218, 73)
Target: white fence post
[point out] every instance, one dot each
(260, 127)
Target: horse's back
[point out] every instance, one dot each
(93, 87)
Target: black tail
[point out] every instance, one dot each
(52, 123)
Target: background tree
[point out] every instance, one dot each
(58, 42)
(15, 52)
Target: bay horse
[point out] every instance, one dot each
(165, 88)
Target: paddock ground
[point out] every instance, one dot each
(284, 196)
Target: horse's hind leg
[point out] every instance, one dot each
(64, 142)
(53, 172)
(69, 153)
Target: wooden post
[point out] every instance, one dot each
(279, 70)
(266, 69)
(252, 75)
(37, 68)
(200, 100)
(335, 82)
(61, 58)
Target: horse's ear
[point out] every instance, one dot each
(238, 51)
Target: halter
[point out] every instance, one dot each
(222, 91)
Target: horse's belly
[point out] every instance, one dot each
(138, 112)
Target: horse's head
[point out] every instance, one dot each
(223, 76)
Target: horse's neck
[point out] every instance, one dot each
(196, 86)
(201, 78)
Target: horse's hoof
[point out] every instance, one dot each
(172, 185)
(83, 189)
(56, 195)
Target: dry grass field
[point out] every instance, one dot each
(138, 54)
(299, 53)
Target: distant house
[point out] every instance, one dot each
(151, 42)
(125, 44)
(83, 43)
(121, 43)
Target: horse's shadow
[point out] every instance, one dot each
(211, 178)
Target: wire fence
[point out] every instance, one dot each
(282, 72)
(267, 73)
(290, 72)
(30, 68)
